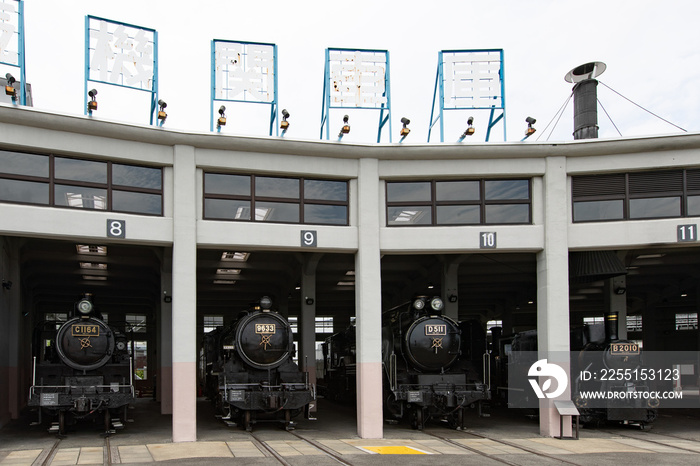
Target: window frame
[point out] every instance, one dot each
(434, 203)
(52, 181)
(252, 199)
(687, 186)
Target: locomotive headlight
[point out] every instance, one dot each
(265, 302)
(418, 304)
(84, 306)
(436, 304)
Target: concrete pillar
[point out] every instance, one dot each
(450, 287)
(11, 364)
(368, 298)
(307, 320)
(553, 289)
(184, 304)
(616, 301)
(165, 375)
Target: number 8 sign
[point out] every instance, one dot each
(116, 228)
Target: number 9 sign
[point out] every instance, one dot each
(309, 238)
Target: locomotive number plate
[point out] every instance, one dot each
(82, 330)
(435, 330)
(624, 349)
(49, 399)
(265, 329)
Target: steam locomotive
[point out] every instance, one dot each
(432, 364)
(607, 357)
(82, 369)
(596, 349)
(249, 371)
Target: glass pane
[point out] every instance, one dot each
(277, 187)
(405, 216)
(138, 177)
(508, 213)
(79, 196)
(235, 185)
(80, 170)
(24, 191)
(326, 190)
(457, 191)
(507, 189)
(408, 192)
(655, 207)
(17, 163)
(598, 210)
(226, 209)
(458, 214)
(141, 203)
(693, 205)
(333, 214)
(276, 212)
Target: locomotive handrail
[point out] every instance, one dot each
(487, 370)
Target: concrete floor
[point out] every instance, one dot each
(506, 437)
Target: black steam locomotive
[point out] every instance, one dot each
(82, 369)
(598, 357)
(432, 364)
(249, 371)
(608, 359)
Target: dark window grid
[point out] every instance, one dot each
(300, 201)
(52, 182)
(482, 203)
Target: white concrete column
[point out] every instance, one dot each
(368, 299)
(184, 304)
(553, 288)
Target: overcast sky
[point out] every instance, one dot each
(651, 49)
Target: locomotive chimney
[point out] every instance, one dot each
(585, 98)
(610, 327)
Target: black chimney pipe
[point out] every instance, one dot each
(585, 99)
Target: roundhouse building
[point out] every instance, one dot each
(175, 232)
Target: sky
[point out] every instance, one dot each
(651, 49)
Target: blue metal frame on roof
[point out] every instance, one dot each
(140, 46)
(493, 79)
(237, 73)
(20, 51)
(379, 100)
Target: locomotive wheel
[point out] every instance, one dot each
(108, 421)
(417, 421)
(247, 422)
(61, 423)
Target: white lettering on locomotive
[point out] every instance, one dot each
(435, 330)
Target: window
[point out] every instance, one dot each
(275, 199)
(136, 323)
(323, 324)
(77, 183)
(687, 321)
(638, 195)
(212, 322)
(593, 320)
(493, 323)
(634, 323)
(460, 202)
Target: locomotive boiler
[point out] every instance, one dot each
(250, 372)
(82, 369)
(432, 364)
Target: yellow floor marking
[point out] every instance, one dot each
(395, 450)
